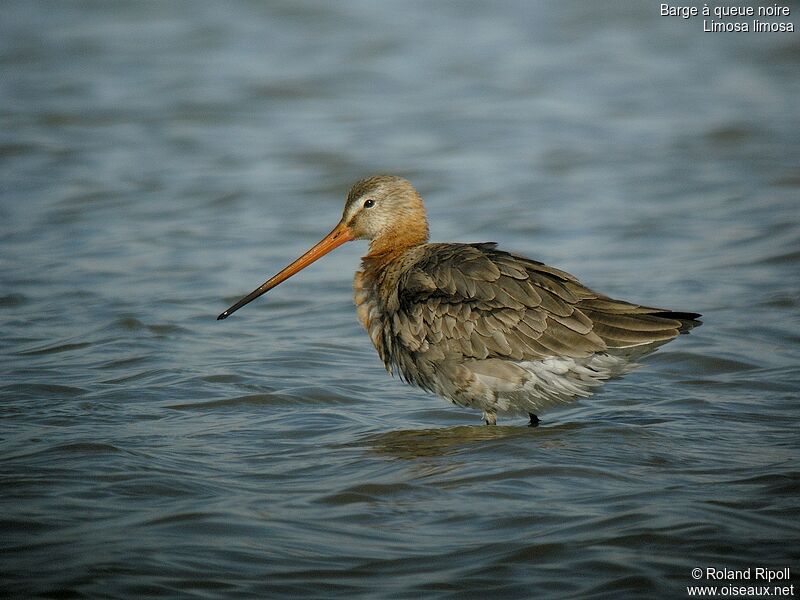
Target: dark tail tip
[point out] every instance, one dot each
(688, 320)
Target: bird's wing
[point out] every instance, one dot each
(474, 302)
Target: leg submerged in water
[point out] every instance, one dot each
(490, 418)
(534, 420)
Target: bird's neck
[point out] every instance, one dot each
(391, 244)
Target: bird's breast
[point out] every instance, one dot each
(369, 311)
(376, 295)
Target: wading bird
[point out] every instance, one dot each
(484, 328)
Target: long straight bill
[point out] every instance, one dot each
(340, 234)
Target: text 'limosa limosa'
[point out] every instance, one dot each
(484, 328)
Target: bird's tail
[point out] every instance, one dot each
(687, 320)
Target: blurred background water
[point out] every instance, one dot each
(158, 160)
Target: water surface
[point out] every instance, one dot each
(157, 161)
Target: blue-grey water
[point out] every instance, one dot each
(159, 160)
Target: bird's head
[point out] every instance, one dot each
(386, 210)
(385, 206)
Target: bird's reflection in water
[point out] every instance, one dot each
(419, 443)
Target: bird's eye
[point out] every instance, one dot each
(369, 203)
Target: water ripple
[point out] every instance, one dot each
(157, 163)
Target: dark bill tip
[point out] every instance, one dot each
(223, 316)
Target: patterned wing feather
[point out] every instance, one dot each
(473, 302)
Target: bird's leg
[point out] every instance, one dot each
(534, 420)
(490, 418)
